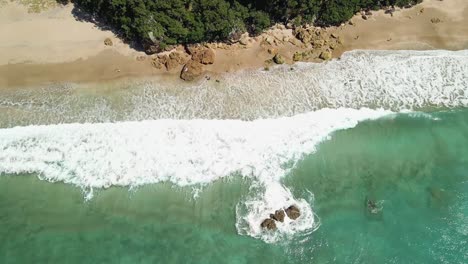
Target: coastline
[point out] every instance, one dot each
(52, 46)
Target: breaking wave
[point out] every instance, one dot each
(255, 124)
(394, 80)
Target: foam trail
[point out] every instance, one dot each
(393, 80)
(184, 152)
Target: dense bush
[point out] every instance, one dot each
(167, 22)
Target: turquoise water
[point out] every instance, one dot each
(414, 165)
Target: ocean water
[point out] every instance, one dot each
(139, 173)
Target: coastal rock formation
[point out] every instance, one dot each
(171, 63)
(278, 215)
(325, 55)
(293, 212)
(278, 59)
(298, 56)
(108, 42)
(203, 55)
(156, 62)
(304, 35)
(191, 71)
(269, 224)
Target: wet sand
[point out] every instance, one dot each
(55, 46)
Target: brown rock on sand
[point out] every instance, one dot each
(108, 42)
(203, 55)
(191, 71)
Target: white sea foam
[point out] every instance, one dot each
(151, 139)
(184, 152)
(393, 80)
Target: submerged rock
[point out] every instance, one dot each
(278, 215)
(293, 212)
(269, 224)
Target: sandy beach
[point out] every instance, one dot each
(56, 45)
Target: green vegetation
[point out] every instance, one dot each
(159, 23)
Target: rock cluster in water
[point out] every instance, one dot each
(270, 223)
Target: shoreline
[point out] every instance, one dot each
(74, 51)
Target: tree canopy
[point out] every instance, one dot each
(167, 22)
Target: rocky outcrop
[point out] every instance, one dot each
(191, 71)
(278, 215)
(293, 212)
(298, 56)
(157, 63)
(202, 55)
(171, 61)
(269, 224)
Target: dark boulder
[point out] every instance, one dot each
(191, 71)
(269, 224)
(278, 215)
(293, 212)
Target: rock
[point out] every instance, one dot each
(368, 13)
(364, 17)
(304, 35)
(152, 49)
(421, 11)
(244, 40)
(192, 48)
(156, 63)
(235, 36)
(141, 58)
(294, 41)
(272, 51)
(334, 35)
(351, 23)
(278, 215)
(297, 56)
(169, 47)
(278, 59)
(203, 55)
(191, 71)
(325, 55)
(340, 41)
(178, 57)
(293, 212)
(318, 43)
(171, 64)
(435, 20)
(108, 42)
(269, 40)
(268, 224)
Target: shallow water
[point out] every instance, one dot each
(178, 190)
(416, 166)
